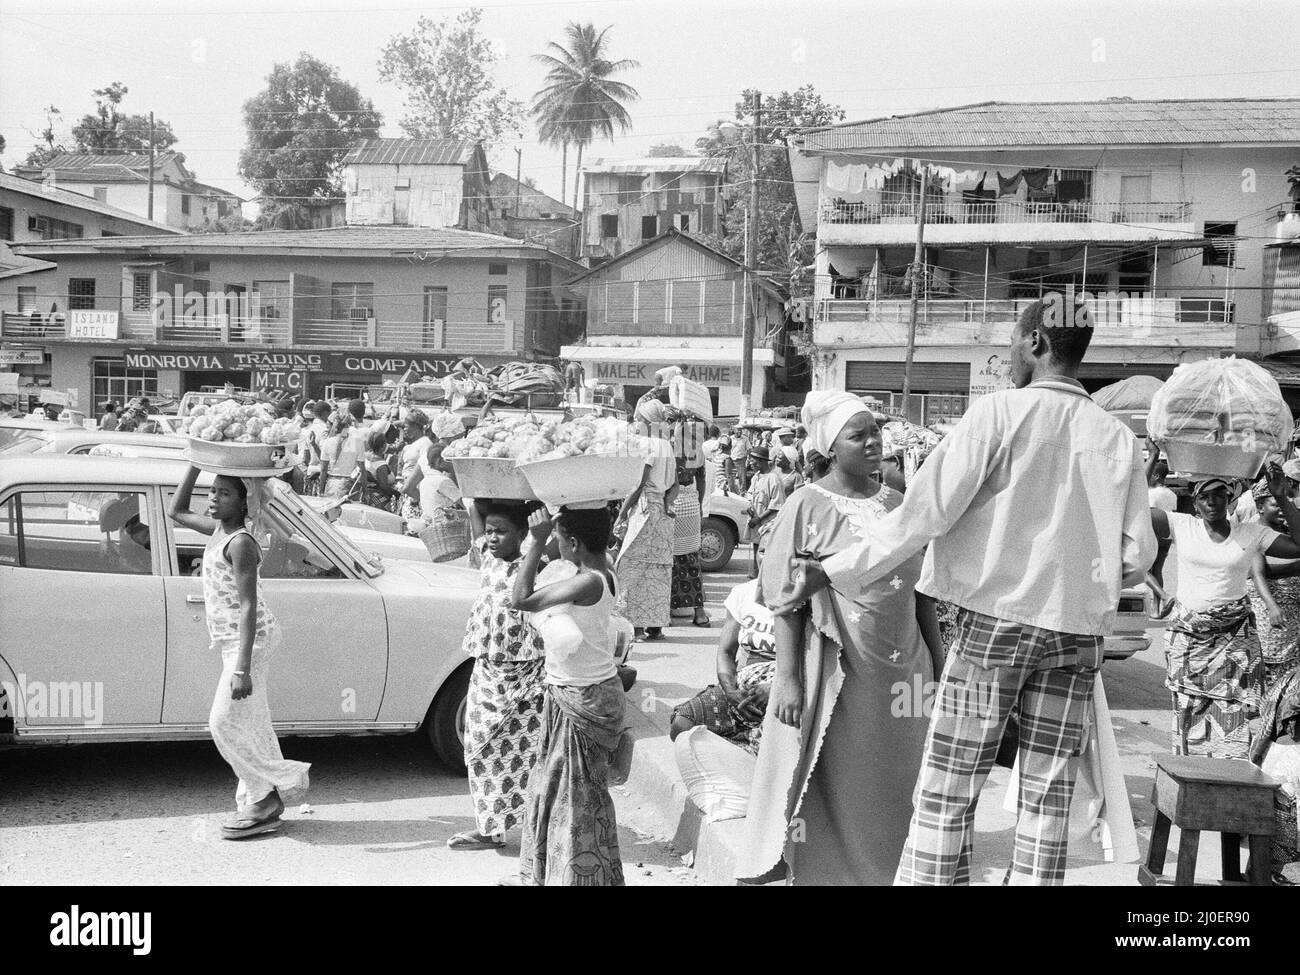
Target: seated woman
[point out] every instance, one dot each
(734, 707)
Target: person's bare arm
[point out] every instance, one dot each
(584, 589)
(786, 698)
(728, 647)
(1258, 577)
(180, 513)
(242, 553)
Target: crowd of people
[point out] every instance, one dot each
(970, 577)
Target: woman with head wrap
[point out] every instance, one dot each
(645, 559)
(840, 756)
(1213, 663)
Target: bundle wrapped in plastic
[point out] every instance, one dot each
(1220, 417)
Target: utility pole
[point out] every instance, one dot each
(918, 270)
(151, 165)
(749, 322)
(519, 178)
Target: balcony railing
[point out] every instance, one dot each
(1006, 211)
(1129, 320)
(438, 336)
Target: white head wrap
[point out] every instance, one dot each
(825, 412)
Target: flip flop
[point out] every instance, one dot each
(470, 840)
(705, 622)
(244, 827)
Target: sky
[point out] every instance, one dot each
(195, 62)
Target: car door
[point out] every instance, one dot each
(329, 671)
(82, 608)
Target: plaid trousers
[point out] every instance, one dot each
(996, 668)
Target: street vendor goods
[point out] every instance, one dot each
(1220, 417)
(239, 439)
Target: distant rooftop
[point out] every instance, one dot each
(29, 187)
(658, 164)
(412, 152)
(1118, 121)
(103, 166)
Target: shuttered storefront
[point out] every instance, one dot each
(927, 377)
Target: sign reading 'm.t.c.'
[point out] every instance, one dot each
(643, 373)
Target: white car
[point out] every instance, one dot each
(722, 529)
(102, 629)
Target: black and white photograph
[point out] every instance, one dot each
(650, 443)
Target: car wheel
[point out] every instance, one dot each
(445, 723)
(717, 542)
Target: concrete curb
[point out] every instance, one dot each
(647, 767)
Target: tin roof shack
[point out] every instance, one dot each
(675, 300)
(121, 180)
(526, 213)
(627, 202)
(1147, 206)
(418, 183)
(355, 304)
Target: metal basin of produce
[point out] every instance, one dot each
(1197, 459)
(237, 459)
(584, 479)
(491, 477)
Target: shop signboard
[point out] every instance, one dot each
(989, 372)
(86, 324)
(643, 373)
(22, 357)
(56, 396)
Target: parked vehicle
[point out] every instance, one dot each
(372, 646)
(722, 529)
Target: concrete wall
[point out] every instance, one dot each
(93, 224)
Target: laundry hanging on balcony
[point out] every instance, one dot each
(856, 177)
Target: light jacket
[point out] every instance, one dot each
(1036, 508)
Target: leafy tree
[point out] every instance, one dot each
(46, 148)
(665, 149)
(299, 130)
(444, 69)
(108, 130)
(579, 99)
(783, 247)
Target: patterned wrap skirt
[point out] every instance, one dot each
(1280, 644)
(645, 563)
(1213, 671)
(570, 834)
(688, 588)
(503, 722)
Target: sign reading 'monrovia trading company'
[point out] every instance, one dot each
(223, 360)
(86, 324)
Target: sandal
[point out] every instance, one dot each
(472, 839)
(704, 622)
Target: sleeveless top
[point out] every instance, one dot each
(221, 593)
(592, 661)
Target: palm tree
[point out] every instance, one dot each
(579, 100)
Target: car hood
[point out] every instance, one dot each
(399, 573)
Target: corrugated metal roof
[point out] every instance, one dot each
(102, 165)
(29, 187)
(658, 164)
(412, 152)
(360, 238)
(1109, 122)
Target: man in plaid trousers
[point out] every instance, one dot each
(1035, 511)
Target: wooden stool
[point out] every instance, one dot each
(1233, 798)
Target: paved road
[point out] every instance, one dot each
(381, 810)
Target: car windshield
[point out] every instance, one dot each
(309, 515)
(16, 440)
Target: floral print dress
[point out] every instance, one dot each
(503, 710)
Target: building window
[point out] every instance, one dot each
(6, 223)
(1220, 253)
(649, 227)
(141, 292)
(609, 225)
(202, 267)
(110, 379)
(351, 300)
(27, 299)
(109, 233)
(81, 293)
(101, 194)
(47, 228)
(185, 204)
(498, 268)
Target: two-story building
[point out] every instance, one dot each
(677, 301)
(627, 202)
(1156, 207)
(296, 310)
(526, 213)
(39, 211)
(418, 183)
(175, 198)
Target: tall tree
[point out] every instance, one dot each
(106, 129)
(47, 146)
(299, 130)
(667, 149)
(444, 69)
(783, 247)
(580, 100)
